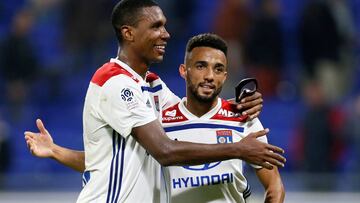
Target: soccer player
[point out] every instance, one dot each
(203, 117)
(120, 119)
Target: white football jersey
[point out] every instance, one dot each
(118, 169)
(218, 182)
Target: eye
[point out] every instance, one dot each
(200, 65)
(219, 69)
(157, 25)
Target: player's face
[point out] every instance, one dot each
(205, 73)
(150, 35)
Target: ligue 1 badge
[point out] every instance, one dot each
(127, 95)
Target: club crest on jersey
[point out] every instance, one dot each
(156, 102)
(224, 136)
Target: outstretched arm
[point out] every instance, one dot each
(169, 152)
(41, 145)
(274, 188)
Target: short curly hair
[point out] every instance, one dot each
(126, 12)
(207, 40)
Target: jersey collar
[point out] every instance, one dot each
(127, 67)
(208, 115)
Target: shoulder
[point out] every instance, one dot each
(151, 77)
(154, 79)
(110, 70)
(173, 114)
(229, 112)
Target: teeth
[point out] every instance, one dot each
(160, 47)
(206, 86)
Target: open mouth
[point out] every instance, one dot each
(160, 49)
(207, 87)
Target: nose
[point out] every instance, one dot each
(165, 34)
(209, 74)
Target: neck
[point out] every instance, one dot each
(199, 108)
(131, 59)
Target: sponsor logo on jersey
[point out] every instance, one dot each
(227, 113)
(148, 104)
(172, 118)
(224, 136)
(171, 113)
(198, 181)
(202, 167)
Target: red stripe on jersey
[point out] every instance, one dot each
(173, 114)
(109, 70)
(229, 112)
(150, 77)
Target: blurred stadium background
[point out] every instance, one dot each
(305, 54)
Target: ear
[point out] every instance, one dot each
(225, 76)
(183, 71)
(127, 33)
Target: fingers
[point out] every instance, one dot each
(275, 162)
(255, 96)
(269, 162)
(275, 149)
(41, 126)
(260, 133)
(29, 134)
(252, 108)
(266, 165)
(250, 104)
(252, 116)
(276, 159)
(30, 144)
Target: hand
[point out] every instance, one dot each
(251, 105)
(259, 153)
(40, 144)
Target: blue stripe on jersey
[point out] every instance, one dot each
(121, 166)
(115, 174)
(111, 166)
(86, 177)
(247, 192)
(116, 168)
(202, 125)
(151, 89)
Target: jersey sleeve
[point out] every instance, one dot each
(123, 105)
(168, 97)
(255, 126)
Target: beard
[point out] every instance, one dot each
(194, 90)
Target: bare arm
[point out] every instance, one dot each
(41, 145)
(274, 188)
(168, 152)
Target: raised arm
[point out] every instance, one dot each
(169, 152)
(250, 105)
(274, 188)
(41, 145)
